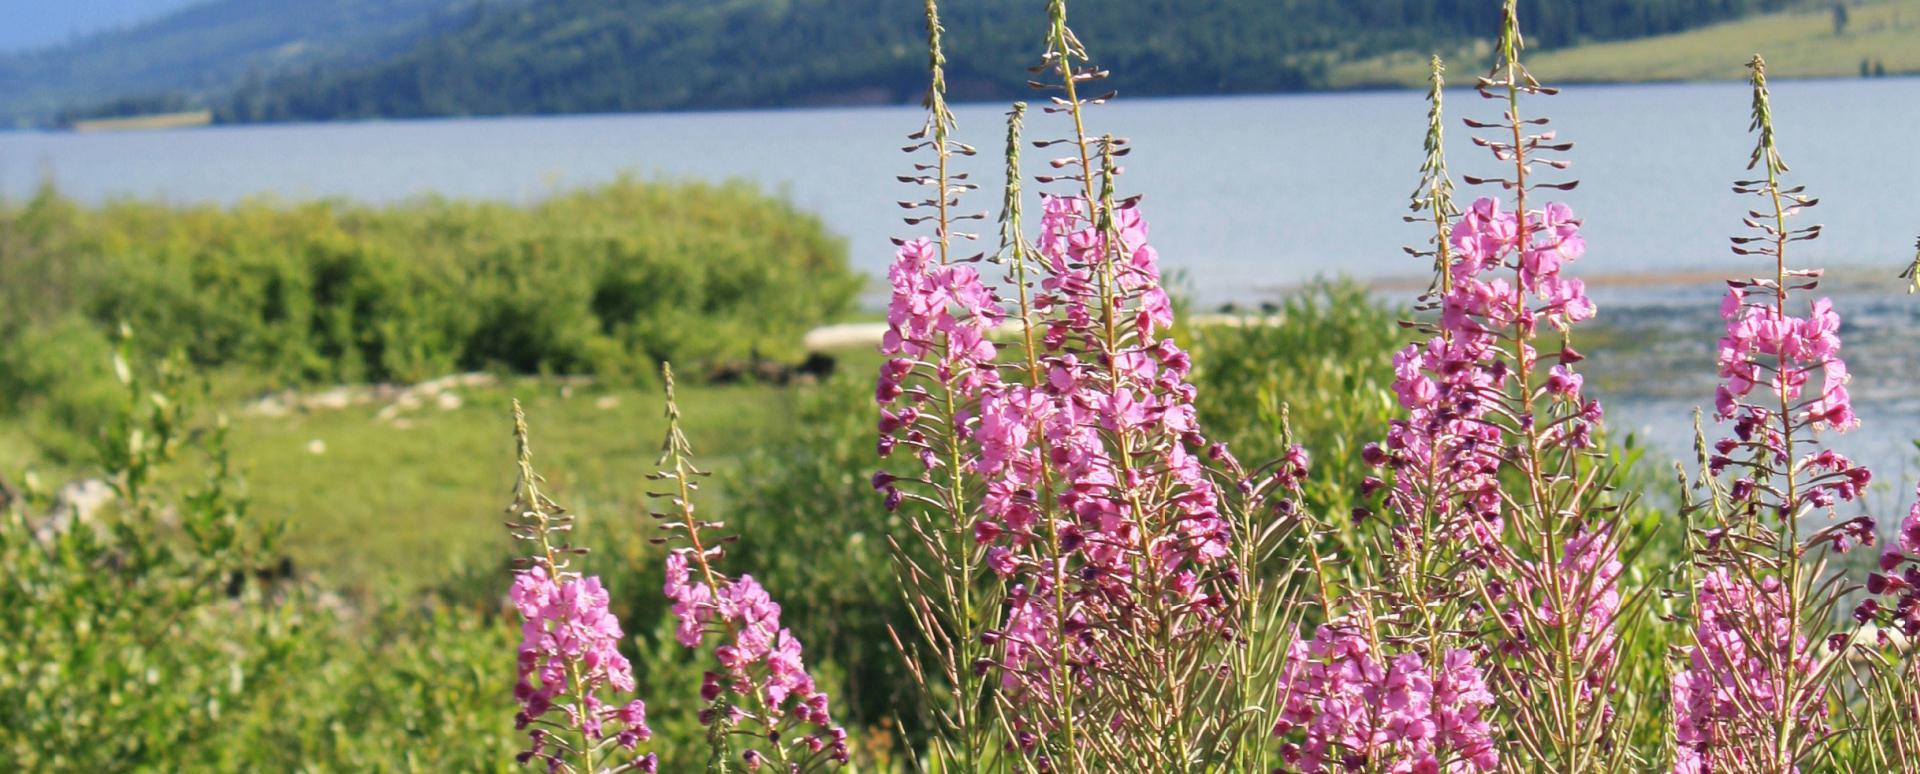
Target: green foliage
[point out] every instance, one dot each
(1325, 358)
(813, 529)
(56, 380)
(131, 634)
(411, 687)
(605, 281)
(567, 56)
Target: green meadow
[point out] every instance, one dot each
(1884, 35)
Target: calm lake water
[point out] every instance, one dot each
(1248, 195)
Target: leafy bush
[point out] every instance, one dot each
(55, 379)
(132, 626)
(404, 687)
(608, 281)
(1322, 365)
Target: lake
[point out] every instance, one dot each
(1247, 196)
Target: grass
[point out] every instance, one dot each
(433, 509)
(1797, 43)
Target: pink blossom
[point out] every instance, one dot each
(1736, 674)
(762, 659)
(1341, 699)
(569, 648)
(1762, 348)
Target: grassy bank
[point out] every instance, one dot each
(404, 502)
(1798, 43)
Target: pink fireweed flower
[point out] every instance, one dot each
(1763, 349)
(1345, 702)
(1445, 452)
(1099, 490)
(1752, 698)
(569, 656)
(939, 320)
(1143, 392)
(569, 648)
(1898, 579)
(932, 299)
(762, 691)
(1030, 642)
(761, 659)
(1492, 434)
(1585, 587)
(1724, 702)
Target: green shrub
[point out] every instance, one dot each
(1326, 356)
(55, 378)
(132, 628)
(609, 280)
(409, 687)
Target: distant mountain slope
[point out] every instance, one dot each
(213, 47)
(39, 24)
(563, 56)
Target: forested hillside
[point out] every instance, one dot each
(562, 56)
(201, 53)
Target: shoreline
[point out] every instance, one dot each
(1136, 96)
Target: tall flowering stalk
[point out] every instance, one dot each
(569, 658)
(1505, 524)
(940, 362)
(1028, 494)
(1132, 632)
(763, 708)
(1762, 675)
(1159, 531)
(1392, 680)
(1437, 452)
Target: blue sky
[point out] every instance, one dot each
(36, 23)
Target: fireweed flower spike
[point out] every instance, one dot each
(1067, 496)
(1433, 196)
(762, 705)
(1497, 477)
(1344, 695)
(1354, 704)
(1126, 538)
(570, 664)
(1755, 691)
(939, 362)
(1442, 449)
(1022, 502)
